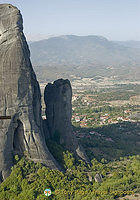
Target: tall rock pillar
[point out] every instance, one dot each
(58, 98)
(20, 97)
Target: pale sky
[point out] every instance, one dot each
(114, 19)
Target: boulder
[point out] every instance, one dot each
(98, 178)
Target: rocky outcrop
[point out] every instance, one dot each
(19, 96)
(57, 97)
(98, 178)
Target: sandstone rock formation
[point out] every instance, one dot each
(57, 97)
(19, 96)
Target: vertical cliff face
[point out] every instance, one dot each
(19, 96)
(58, 98)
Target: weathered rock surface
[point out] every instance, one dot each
(98, 178)
(58, 98)
(19, 96)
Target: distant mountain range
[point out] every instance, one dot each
(129, 43)
(82, 55)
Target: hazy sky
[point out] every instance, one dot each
(114, 19)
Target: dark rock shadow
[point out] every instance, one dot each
(110, 141)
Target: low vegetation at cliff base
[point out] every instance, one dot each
(29, 180)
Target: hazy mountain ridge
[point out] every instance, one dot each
(129, 43)
(85, 56)
(76, 50)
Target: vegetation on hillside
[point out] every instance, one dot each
(113, 149)
(29, 180)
